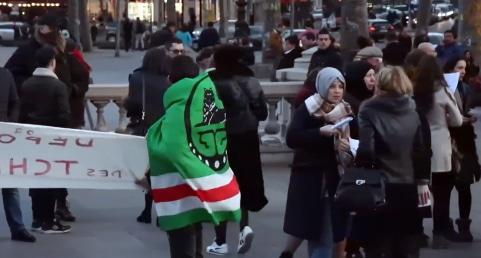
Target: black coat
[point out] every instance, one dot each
(244, 102)
(155, 88)
(45, 101)
(391, 137)
(394, 53)
(80, 77)
(314, 170)
(312, 151)
(326, 58)
(9, 102)
(22, 64)
(287, 60)
(208, 37)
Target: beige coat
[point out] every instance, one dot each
(444, 113)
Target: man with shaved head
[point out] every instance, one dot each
(428, 48)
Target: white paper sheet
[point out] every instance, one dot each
(354, 146)
(343, 122)
(452, 79)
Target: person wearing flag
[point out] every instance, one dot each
(190, 174)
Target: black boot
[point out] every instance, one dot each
(286, 255)
(464, 231)
(62, 211)
(146, 215)
(451, 234)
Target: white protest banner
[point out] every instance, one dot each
(34, 156)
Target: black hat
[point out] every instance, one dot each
(50, 20)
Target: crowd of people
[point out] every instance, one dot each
(409, 123)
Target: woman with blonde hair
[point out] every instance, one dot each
(391, 140)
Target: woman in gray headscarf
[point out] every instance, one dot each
(319, 150)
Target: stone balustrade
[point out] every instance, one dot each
(299, 71)
(279, 95)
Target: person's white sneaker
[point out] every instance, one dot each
(216, 249)
(245, 240)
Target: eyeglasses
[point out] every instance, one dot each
(177, 51)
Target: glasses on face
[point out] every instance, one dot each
(177, 51)
(323, 39)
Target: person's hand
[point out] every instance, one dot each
(143, 182)
(328, 130)
(344, 145)
(469, 120)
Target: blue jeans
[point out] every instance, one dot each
(11, 205)
(323, 248)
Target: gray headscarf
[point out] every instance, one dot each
(325, 78)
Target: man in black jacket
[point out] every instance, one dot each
(209, 37)
(45, 87)
(292, 51)
(326, 55)
(22, 64)
(9, 108)
(394, 53)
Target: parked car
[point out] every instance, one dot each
(436, 38)
(13, 31)
(378, 28)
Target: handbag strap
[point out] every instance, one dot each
(143, 97)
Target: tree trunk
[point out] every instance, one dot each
(354, 24)
(471, 27)
(85, 36)
(241, 10)
(424, 17)
(222, 20)
(119, 26)
(73, 19)
(171, 13)
(272, 14)
(161, 12)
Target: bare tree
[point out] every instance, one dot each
(73, 19)
(171, 13)
(272, 16)
(471, 26)
(119, 25)
(85, 36)
(222, 19)
(424, 16)
(354, 24)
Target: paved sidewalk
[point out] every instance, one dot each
(106, 226)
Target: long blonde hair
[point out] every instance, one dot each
(393, 80)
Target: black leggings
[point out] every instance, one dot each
(464, 199)
(221, 230)
(442, 185)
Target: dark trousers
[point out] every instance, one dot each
(393, 246)
(464, 199)
(442, 185)
(43, 204)
(221, 230)
(13, 213)
(186, 242)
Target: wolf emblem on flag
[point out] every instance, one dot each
(190, 174)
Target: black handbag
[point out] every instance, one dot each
(361, 190)
(138, 126)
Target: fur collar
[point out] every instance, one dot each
(44, 72)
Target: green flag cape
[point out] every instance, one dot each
(191, 178)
